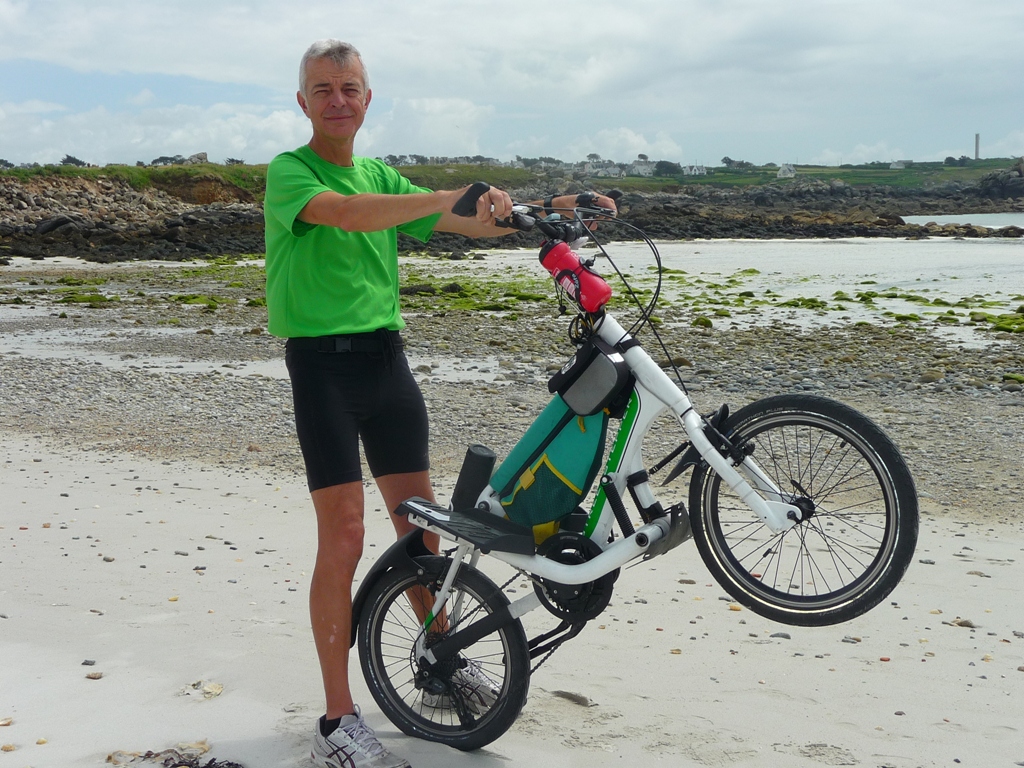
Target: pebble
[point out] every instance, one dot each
(214, 414)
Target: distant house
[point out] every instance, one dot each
(786, 171)
(694, 170)
(898, 165)
(641, 168)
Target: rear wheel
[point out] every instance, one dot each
(466, 702)
(859, 516)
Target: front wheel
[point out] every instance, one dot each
(471, 699)
(858, 505)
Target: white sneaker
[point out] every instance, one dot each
(352, 745)
(476, 690)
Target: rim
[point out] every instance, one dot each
(396, 667)
(848, 532)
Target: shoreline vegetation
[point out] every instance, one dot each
(175, 362)
(251, 179)
(206, 210)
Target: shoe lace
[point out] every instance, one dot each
(473, 675)
(364, 737)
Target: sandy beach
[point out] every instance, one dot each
(156, 539)
(177, 579)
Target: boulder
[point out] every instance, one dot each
(49, 225)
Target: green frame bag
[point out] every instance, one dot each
(552, 467)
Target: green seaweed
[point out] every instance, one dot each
(89, 299)
(78, 281)
(200, 299)
(804, 302)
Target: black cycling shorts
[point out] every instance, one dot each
(342, 397)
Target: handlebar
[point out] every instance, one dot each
(584, 286)
(524, 217)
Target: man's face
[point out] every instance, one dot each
(336, 98)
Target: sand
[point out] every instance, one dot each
(176, 577)
(154, 522)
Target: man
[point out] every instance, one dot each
(332, 290)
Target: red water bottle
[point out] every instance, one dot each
(584, 285)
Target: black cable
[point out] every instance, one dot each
(646, 312)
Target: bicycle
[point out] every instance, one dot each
(802, 509)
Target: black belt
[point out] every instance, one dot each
(380, 342)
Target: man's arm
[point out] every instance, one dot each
(373, 213)
(474, 227)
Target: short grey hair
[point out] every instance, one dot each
(340, 53)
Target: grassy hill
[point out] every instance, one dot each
(250, 180)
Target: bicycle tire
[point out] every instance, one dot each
(386, 637)
(860, 523)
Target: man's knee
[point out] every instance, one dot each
(340, 530)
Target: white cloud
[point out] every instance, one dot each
(1010, 145)
(687, 80)
(31, 107)
(862, 153)
(426, 127)
(143, 97)
(101, 136)
(624, 144)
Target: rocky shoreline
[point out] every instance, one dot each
(106, 220)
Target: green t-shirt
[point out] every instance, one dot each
(324, 280)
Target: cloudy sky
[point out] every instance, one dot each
(822, 81)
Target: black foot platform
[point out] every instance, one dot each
(483, 530)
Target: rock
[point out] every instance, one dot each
(196, 159)
(49, 225)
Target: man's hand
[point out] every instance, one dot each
(601, 201)
(494, 204)
(564, 204)
(491, 205)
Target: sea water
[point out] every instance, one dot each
(735, 283)
(932, 277)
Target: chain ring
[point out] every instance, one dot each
(573, 602)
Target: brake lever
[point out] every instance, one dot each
(517, 220)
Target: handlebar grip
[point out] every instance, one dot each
(466, 205)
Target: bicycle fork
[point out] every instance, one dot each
(773, 511)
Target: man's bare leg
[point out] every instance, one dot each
(397, 488)
(339, 517)
(340, 529)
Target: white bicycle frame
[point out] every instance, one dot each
(655, 393)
